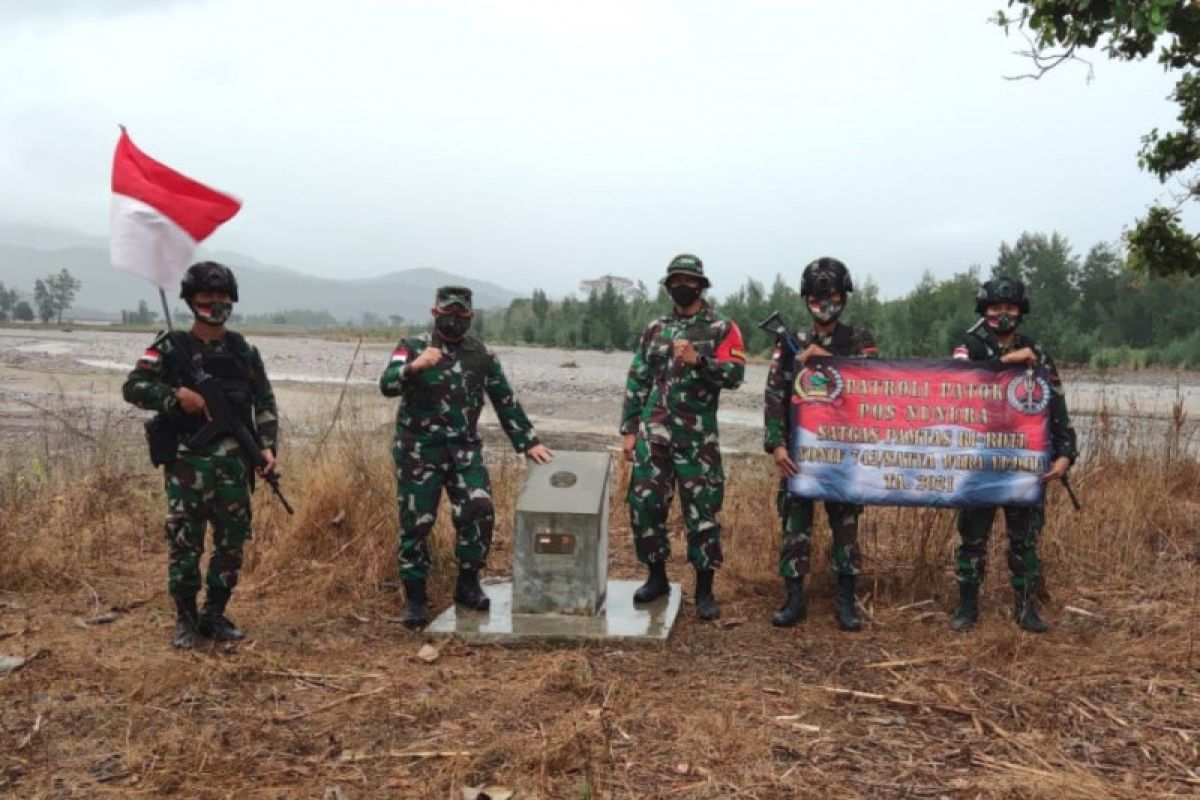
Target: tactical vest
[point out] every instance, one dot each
(227, 366)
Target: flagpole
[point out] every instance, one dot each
(166, 311)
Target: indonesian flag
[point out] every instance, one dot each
(159, 216)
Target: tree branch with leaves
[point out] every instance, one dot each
(1133, 30)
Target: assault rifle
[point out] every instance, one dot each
(782, 332)
(223, 421)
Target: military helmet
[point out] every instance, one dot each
(208, 276)
(824, 277)
(1002, 289)
(686, 264)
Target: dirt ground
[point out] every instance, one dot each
(331, 698)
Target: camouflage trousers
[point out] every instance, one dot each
(202, 490)
(657, 469)
(795, 554)
(1024, 525)
(422, 471)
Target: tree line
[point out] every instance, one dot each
(52, 295)
(1086, 309)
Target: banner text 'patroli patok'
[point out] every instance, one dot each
(919, 432)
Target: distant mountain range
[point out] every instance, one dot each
(28, 253)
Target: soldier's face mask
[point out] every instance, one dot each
(214, 312)
(826, 309)
(452, 327)
(684, 295)
(1002, 318)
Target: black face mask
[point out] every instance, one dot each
(684, 295)
(451, 326)
(1003, 323)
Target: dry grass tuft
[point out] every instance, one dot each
(330, 692)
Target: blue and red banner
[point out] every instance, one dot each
(920, 432)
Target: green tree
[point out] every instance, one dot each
(142, 316)
(43, 301)
(8, 299)
(22, 312)
(540, 304)
(1133, 30)
(1049, 270)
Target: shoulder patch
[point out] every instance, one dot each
(150, 359)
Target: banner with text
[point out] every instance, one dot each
(919, 432)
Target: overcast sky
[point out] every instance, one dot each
(540, 142)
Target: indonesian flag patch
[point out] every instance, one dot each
(150, 359)
(400, 355)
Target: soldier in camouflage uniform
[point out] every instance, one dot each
(1002, 304)
(824, 286)
(210, 485)
(441, 380)
(669, 429)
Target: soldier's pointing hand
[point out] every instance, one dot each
(429, 357)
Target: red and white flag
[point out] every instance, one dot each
(159, 216)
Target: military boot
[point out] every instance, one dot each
(469, 593)
(706, 603)
(968, 607)
(845, 607)
(213, 622)
(1025, 611)
(186, 623)
(416, 608)
(655, 586)
(795, 608)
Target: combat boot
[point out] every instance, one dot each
(795, 608)
(186, 623)
(706, 603)
(1025, 611)
(845, 607)
(968, 607)
(416, 607)
(213, 622)
(655, 586)
(469, 593)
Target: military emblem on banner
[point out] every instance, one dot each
(1029, 393)
(818, 384)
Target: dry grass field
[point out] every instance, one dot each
(328, 697)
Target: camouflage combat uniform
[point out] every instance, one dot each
(796, 513)
(673, 410)
(437, 446)
(211, 485)
(1024, 523)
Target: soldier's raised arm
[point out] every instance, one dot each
(727, 367)
(391, 382)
